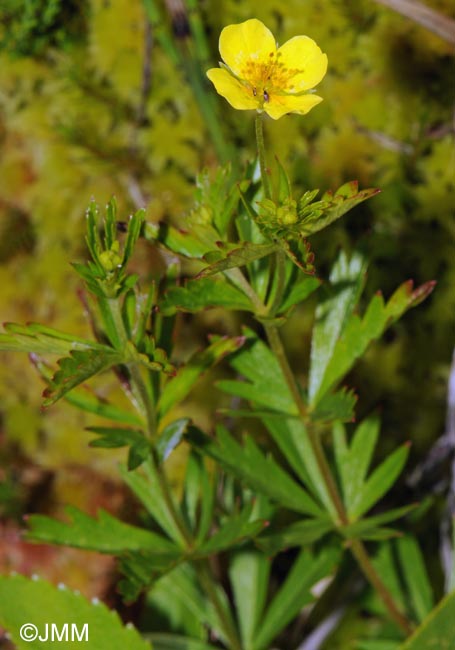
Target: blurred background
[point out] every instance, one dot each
(109, 97)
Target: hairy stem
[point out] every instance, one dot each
(280, 268)
(261, 155)
(273, 336)
(202, 567)
(357, 547)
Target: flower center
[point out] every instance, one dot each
(269, 77)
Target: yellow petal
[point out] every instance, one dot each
(279, 105)
(248, 41)
(302, 54)
(231, 89)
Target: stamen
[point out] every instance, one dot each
(266, 96)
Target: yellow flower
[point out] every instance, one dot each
(258, 75)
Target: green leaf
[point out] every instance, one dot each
(415, 576)
(377, 645)
(134, 230)
(266, 385)
(93, 237)
(301, 533)
(249, 575)
(237, 528)
(300, 254)
(145, 485)
(179, 386)
(202, 294)
(141, 569)
(39, 339)
(180, 588)
(177, 642)
(437, 630)
(295, 593)
(237, 257)
(299, 290)
(114, 437)
(346, 278)
(183, 242)
(292, 439)
(344, 199)
(39, 603)
(380, 481)
(284, 190)
(353, 462)
(249, 464)
(216, 199)
(171, 437)
(77, 368)
(88, 401)
(359, 332)
(199, 490)
(335, 406)
(368, 528)
(106, 534)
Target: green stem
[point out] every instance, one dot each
(202, 567)
(236, 276)
(357, 547)
(205, 576)
(360, 553)
(280, 267)
(138, 387)
(261, 154)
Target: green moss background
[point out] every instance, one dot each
(92, 104)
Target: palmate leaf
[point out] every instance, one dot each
(300, 533)
(179, 386)
(39, 603)
(402, 558)
(77, 368)
(249, 572)
(115, 437)
(170, 438)
(437, 630)
(177, 642)
(216, 198)
(266, 385)
(299, 291)
(335, 406)
(89, 401)
(202, 294)
(106, 534)
(334, 206)
(39, 339)
(180, 591)
(291, 437)
(249, 464)
(415, 576)
(236, 529)
(335, 307)
(145, 484)
(371, 528)
(359, 332)
(229, 258)
(359, 491)
(307, 570)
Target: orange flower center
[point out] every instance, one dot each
(266, 78)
